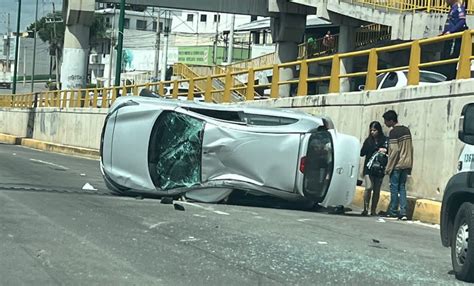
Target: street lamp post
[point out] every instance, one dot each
(17, 40)
(118, 66)
(34, 49)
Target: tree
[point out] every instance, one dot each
(51, 29)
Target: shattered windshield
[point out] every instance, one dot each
(175, 151)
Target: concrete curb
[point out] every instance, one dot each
(58, 148)
(10, 139)
(426, 211)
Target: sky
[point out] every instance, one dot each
(27, 12)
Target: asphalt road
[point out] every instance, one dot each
(53, 232)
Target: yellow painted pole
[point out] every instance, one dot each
(191, 89)
(208, 93)
(228, 86)
(161, 90)
(303, 80)
(96, 96)
(250, 84)
(105, 98)
(414, 66)
(275, 90)
(371, 79)
(175, 89)
(464, 67)
(335, 72)
(87, 102)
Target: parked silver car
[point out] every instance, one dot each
(205, 151)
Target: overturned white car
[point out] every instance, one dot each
(206, 151)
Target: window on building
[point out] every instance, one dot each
(107, 22)
(190, 18)
(141, 25)
(204, 18)
(155, 25)
(126, 23)
(217, 18)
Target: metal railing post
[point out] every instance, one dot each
(303, 80)
(250, 84)
(414, 66)
(227, 86)
(371, 79)
(191, 89)
(334, 84)
(175, 89)
(464, 66)
(275, 87)
(208, 93)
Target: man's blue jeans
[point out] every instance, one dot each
(398, 180)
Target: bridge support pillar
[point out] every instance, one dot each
(78, 16)
(287, 32)
(346, 43)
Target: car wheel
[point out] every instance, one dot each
(462, 250)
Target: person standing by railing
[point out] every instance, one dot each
(456, 22)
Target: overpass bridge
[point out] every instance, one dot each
(288, 22)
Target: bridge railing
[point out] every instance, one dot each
(104, 97)
(413, 5)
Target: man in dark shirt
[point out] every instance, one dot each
(400, 163)
(456, 22)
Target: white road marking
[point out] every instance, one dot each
(49, 163)
(303, 219)
(189, 239)
(152, 226)
(322, 242)
(198, 215)
(205, 208)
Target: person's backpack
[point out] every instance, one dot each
(377, 164)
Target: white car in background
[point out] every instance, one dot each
(400, 79)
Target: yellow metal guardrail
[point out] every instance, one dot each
(365, 35)
(413, 5)
(104, 97)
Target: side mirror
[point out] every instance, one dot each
(466, 124)
(361, 87)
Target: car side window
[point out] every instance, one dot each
(380, 78)
(174, 152)
(390, 81)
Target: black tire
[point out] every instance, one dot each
(462, 249)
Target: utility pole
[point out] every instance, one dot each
(24, 67)
(112, 48)
(17, 40)
(34, 49)
(56, 50)
(118, 68)
(8, 42)
(216, 39)
(167, 28)
(157, 45)
(230, 50)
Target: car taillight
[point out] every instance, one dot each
(302, 163)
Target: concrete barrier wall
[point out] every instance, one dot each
(431, 112)
(14, 121)
(73, 126)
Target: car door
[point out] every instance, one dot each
(257, 158)
(345, 172)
